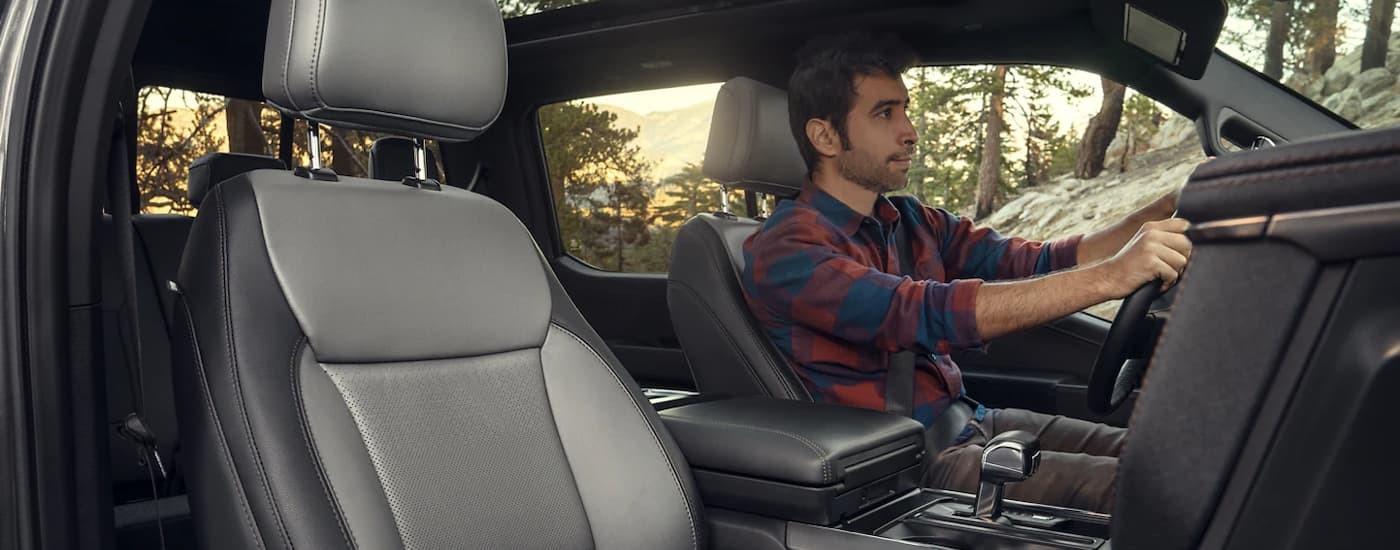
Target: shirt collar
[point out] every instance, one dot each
(844, 216)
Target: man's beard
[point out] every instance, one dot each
(869, 173)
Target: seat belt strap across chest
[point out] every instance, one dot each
(899, 380)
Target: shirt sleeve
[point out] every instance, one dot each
(980, 252)
(799, 275)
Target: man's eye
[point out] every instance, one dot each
(884, 114)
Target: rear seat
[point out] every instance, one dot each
(160, 242)
(391, 159)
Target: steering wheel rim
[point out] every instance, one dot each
(1116, 372)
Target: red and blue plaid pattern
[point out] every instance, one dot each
(818, 277)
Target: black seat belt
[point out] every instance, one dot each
(133, 428)
(899, 381)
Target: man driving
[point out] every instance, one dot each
(824, 279)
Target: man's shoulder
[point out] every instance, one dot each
(792, 218)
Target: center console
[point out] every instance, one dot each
(780, 474)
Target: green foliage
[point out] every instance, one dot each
(600, 184)
(948, 108)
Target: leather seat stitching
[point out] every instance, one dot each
(762, 339)
(656, 438)
(748, 365)
(243, 507)
(233, 371)
(329, 490)
(764, 343)
(822, 456)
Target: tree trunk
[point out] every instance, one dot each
(1374, 48)
(1323, 50)
(243, 121)
(989, 171)
(1280, 19)
(1100, 131)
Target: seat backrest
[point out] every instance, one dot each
(343, 388)
(160, 242)
(750, 147)
(391, 159)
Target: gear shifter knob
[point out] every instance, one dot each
(1010, 457)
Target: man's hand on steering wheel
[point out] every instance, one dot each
(1149, 264)
(1158, 251)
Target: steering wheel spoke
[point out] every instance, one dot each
(1123, 358)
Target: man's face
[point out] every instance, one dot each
(880, 136)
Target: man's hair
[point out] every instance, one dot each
(823, 86)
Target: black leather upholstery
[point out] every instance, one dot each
(1305, 175)
(208, 170)
(382, 366)
(293, 394)
(749, 147)
(391, 158)
(789, 441)
(727, 349)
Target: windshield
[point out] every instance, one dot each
(1343, 54)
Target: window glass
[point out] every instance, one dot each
(1063, 162)
(518, 8)
(175, 127)
(1343, 54)
(625, 173)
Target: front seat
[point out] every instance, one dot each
(369, 365)
(750, 147)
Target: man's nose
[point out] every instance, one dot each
(908, 134)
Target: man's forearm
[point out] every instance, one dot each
(1105, 242)
(1006, 307)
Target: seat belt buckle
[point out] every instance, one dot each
(133, 428)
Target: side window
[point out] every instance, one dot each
(1042, 152)
(624, 171)
(175, 127)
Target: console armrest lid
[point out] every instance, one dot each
(802, 443)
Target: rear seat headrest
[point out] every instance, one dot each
(359, 64)
(391, 158)
(751, 145)
(213, 168)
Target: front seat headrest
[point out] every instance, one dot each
(391, 158)
(213, 168)
(751, 144)
(358, 64)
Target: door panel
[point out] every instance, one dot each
(1044, 369)
(629, 312)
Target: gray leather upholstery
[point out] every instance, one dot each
(361, 65)
(491, 436)
(789, 441)
(727, 350)
(391, 158)
(208, 170)
(419, 313)
(751, 145)
(385, 366)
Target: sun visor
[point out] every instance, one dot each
(1179, 34)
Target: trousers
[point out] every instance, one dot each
(1078, 460)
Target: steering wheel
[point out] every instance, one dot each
(1125, 352)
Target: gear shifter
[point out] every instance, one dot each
(1010, 457)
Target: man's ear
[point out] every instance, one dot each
(822, 134)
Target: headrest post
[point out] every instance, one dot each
(313, 143)
(723, 199)
(420, 159)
